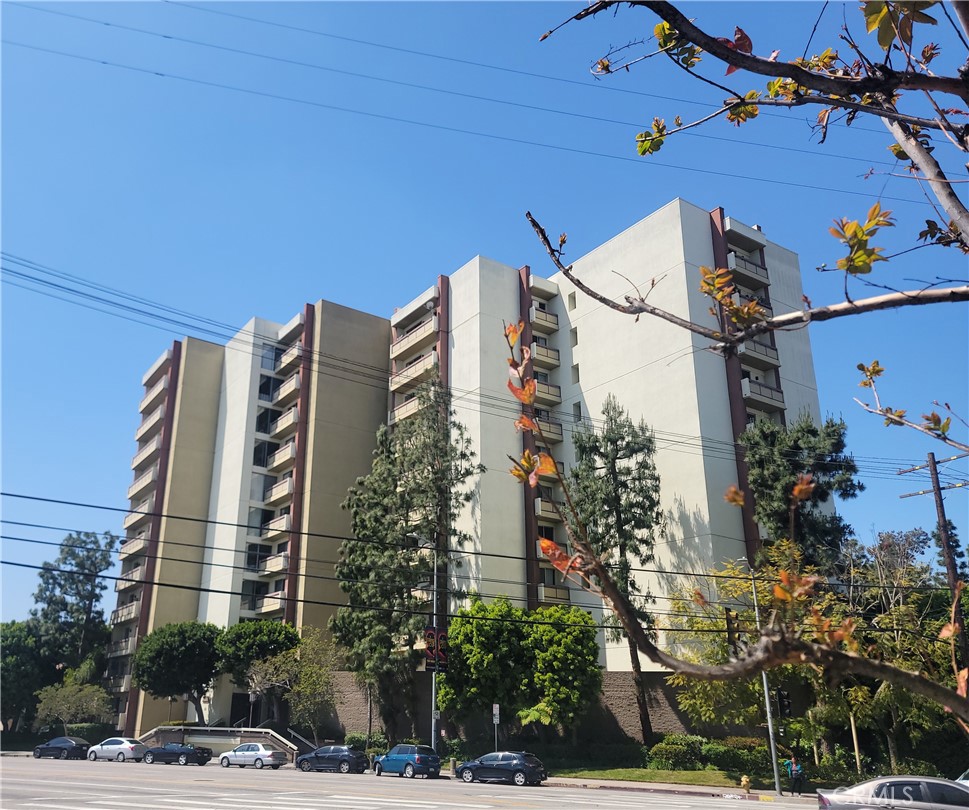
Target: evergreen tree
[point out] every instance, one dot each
(776, 456)
(616, 492)
(955, 549)
(406, 506)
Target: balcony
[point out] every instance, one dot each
(414, 374)
(270, 603)
(747, 271)
(126, 613)
(743, 236)
(156, 369)
(152, 424)
(542, 287)
(147, 453)
(283, 458)
(155, 396)
(130, 578)
(740, 299)
(545, 509)
(418, 338)
(551, 429)
(564, 547)
(544, 321)
(140, 514)
(289, 359)
(550, 475)
(280, 492)
(757, 354)
(272, 566)
(287, 392)
(409, 408)
(548, 394)
(290, 330)
(276, 527)
(141, 484)
(416, 309)
(285, 424)
(553, 594)
(118, 683)
(134, 545)
(124, 647)
(545, 356)
(763, 397)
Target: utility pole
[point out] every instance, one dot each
(434, 711)
(952, 576)
(763, 676)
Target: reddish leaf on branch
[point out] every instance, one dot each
(525, 394)
(803, 489)
(513, 332)
(734, 496)
(524, 423)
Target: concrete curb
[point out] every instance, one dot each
(675, 790)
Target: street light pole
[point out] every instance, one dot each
(763, 675)
(434, 672)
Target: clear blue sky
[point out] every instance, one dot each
(412, 137)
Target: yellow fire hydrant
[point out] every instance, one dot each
(745, 783)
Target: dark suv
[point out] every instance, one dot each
(409, 761)
(341, 758)
(518, 767)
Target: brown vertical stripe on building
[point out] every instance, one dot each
(444, 330)
(528, 443)
(154, 530)
(738, 411)
(299, 468)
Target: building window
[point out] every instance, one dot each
(571, 301)
(548, 577)
(271, 355)
(574, 336)
(575, 373)
(279, 586)
(256, 555)
(546, 532)
(540, 305)
(539, 340)
(268, 386)
(541, 376)
(265, 418)
(262, 452)
(257, 519)
(283, 547)
(577, 411)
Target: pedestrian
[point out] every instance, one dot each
(795, 773)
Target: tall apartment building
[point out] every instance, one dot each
(264, 436)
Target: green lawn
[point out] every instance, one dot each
(705, 778)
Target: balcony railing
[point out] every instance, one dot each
(126, 613)
(276, 564)
(287, 392)
(280, 492)
(544, 321)
(545, 356)
(285, 424)
(548, 394)
(559, 466)
(277, 526)
(151, 424)
(551, 429)
(414, 374)
(553, 593)
(142, 483)
(409, 408)
(289, 359)
(283, 457)
(418, 338)
(118, 683)
(139, 514)
(124, 647)
(747, 270)
(270, 603)
(133, 545)
(146, 453)
(760, 355)
(154, 396)
(762, 396)
(545, 509)
(130, 578)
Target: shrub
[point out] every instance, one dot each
(358, 740)
(668, 756)
(915, 767)
(724, 758)
(92, 732)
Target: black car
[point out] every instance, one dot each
(63, 748)
(177, 752)
(518, 767)
(340, 758)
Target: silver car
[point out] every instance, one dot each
(117, 748)
(912, 792)
(256, 754)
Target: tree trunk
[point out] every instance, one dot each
(892, 749)
(196, 701)
(645, 724)
(854, 740)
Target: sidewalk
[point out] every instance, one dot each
(681, 790)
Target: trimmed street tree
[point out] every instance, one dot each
(400, 512)
(72, 702)
(616, 494)
(178, 659)
(246, 642)
(69, 596)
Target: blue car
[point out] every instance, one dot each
(409, 761)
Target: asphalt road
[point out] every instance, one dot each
(81, 785)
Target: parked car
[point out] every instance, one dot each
(340, 758)
(912, 792)
(119, 748)
(964, 777)
(177, 752)
(409, 761)
(518, 767)
(256, 754)
(63, 748)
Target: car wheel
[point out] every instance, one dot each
(519, 778)
(224, 762)
(63, 753)
(93, 756)
(344, 767)
(467, 775)
(149, 758)
(258, 764)
(201, 762)
(242, 766)
(377, 770)
(305, 766)
(275, 767)
(36, 753)
(120, 756)
(183, 759)
(408, 771)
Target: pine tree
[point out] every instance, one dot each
(616, 491)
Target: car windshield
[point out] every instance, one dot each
(531, 759)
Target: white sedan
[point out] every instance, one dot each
(256, 754)
(117, 748)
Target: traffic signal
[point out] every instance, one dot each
(783, 703)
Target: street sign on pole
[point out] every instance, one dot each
(495, 713)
